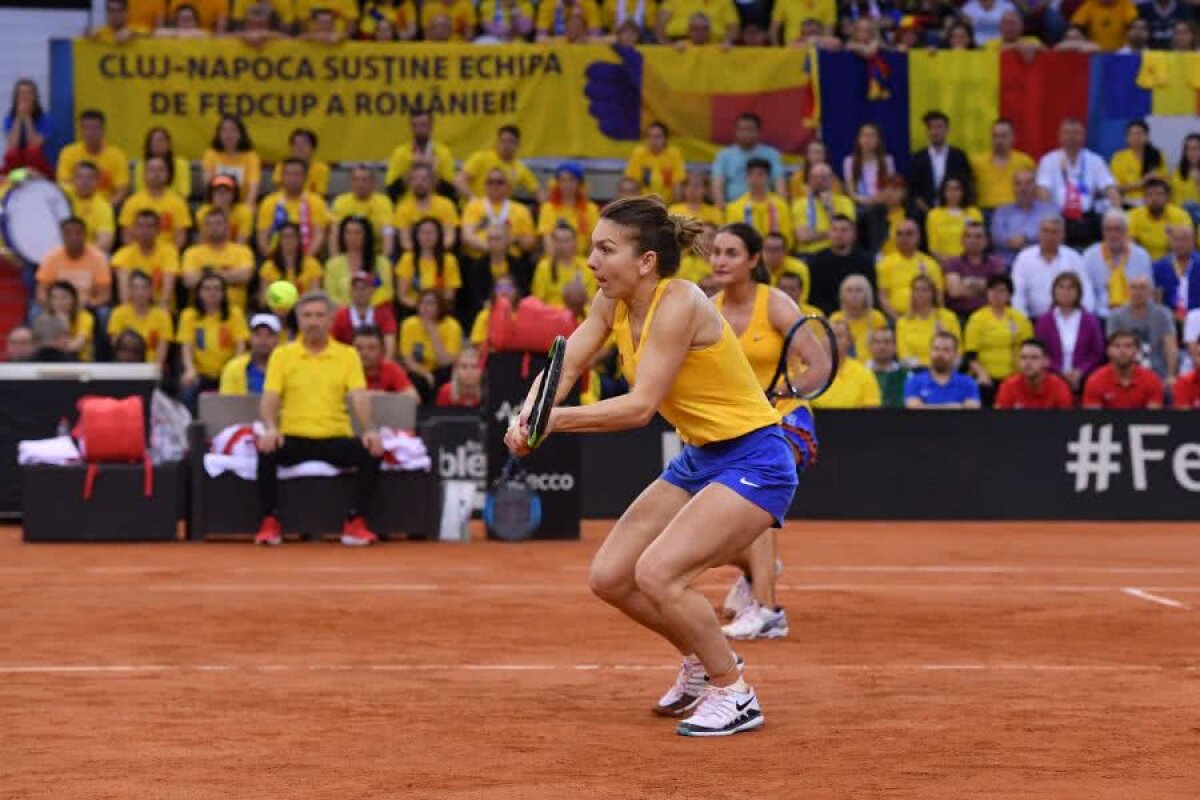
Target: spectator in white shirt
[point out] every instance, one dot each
(1113, 262)
(1078, 182)
(1036, 267)
(984, 16)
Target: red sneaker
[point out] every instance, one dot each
(270, 533)
(355, 533)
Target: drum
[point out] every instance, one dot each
(30, 213)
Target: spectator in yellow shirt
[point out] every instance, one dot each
(211, 15)
(642, 13)
(223, 194)
(232, 153)
(363, 201)
(994, 335)
(210, 334)
(657, 166)
(560, 267)
(288, 262)
(552, 16)
(856, 308)
(427, 266)
(492, 208)
(148, 253)
(759, 207)
(788, 18)
(1138, 163)
(814, 210)
(894, 273)
(216, 252)
(461, 14)
(90, 206)
(357, 254)
(503, 157)
(421, 150)
(174, 218)
(158, 143)
(674, 15)
(945, 225)
(777, 263)
(139, 314)
(303, 144)
(695, 201)
(854, 386)
(506, 20)
(62, 301)
(1185, 179)
(400, 16)
(994, 170)
(1105, 21)
(1150, 225)
(429, 342)
(421, 202)
(925, 317)
(816, 153)
(111, 161)
(567, 203)
(293, 203)
(118, 27)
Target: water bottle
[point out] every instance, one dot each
(64, 427)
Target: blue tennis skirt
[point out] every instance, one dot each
(761, 465)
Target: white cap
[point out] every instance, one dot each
(270, 320)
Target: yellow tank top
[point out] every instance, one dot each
(761, 343)
(715, 396)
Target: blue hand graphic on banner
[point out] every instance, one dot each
(614, 94)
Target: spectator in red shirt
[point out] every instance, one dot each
(1123, 383)
(465, 387)
(1033, 386)
(383, 374)
(1187, 386)
(350, 318)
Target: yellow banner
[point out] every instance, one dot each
(569, 100)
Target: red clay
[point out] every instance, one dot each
(1002, 661)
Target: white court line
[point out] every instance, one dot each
(1142, 594)
(948, 569)
(578, 587)
(125, 669)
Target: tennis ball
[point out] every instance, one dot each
(282, 295)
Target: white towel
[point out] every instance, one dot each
(233, 450)
(59, 451)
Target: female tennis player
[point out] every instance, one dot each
(760, 317)
(734, 477)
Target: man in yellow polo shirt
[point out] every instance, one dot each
(894, 273)
(421, 202)
(216, 252)
(111, 161)
(1150, 225)
(759, 207)
(813, 212)
(855, 385)
(363, 201)
(503, 156)
(293, 203)
(421, 150)
(304, 413)
(90, 206)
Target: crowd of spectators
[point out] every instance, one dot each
(969, 279)
(859, 26)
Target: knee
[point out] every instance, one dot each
(659, 584)
(609, 583)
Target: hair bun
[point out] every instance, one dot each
(687, 232)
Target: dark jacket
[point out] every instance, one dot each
(920, 175)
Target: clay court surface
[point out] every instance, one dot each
(926, 661)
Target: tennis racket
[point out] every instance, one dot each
(791, 366)
(512, 510)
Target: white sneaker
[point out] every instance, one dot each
(723, 711)
(739, 597)
(685, 693)
(757, 622)
(741, 594)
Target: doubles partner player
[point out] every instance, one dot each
(734, 477)
(760, 317)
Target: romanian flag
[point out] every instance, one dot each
(855, 91)
(1037, 95)
(963, 84)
